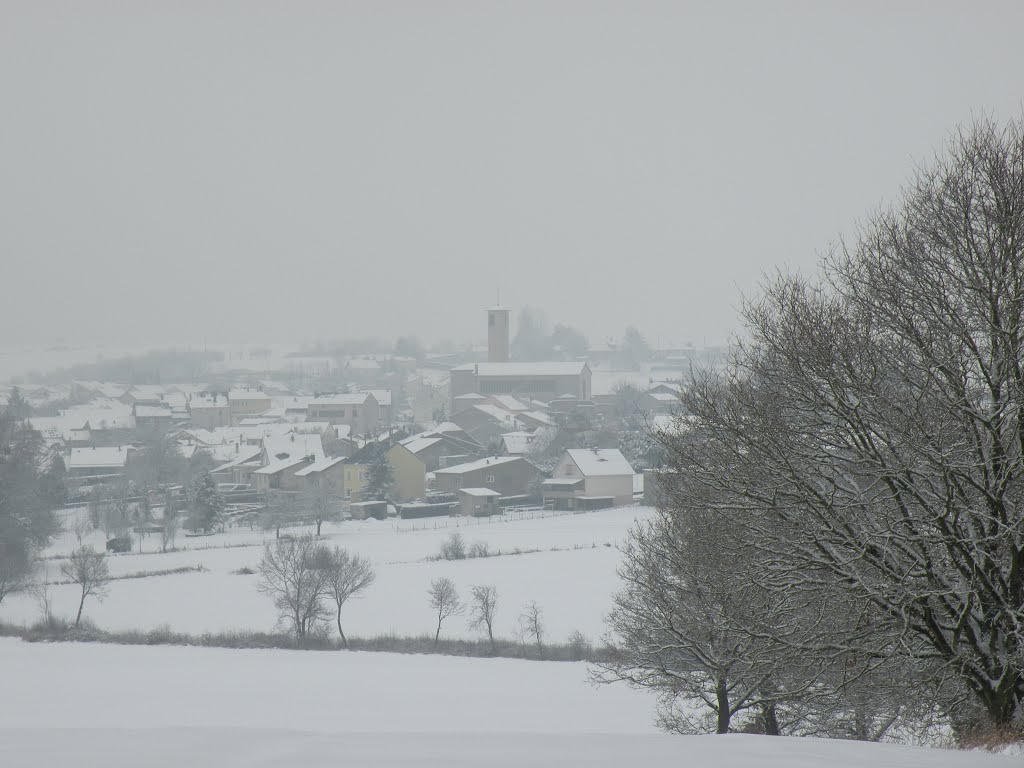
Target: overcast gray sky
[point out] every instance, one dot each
(260, 171)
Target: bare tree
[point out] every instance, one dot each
(531, 625)
(321, 504)
(281, 511)
(671, 629)
(868, 435)
(41, 592)
(444, 598)
(348, 576)
(88, 569)
(482, 606)
(295, 573)
(81, 528)
(170, 528)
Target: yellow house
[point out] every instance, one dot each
(410, 474)
(354, 481)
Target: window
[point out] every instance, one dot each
(489, 479)
(458, 480)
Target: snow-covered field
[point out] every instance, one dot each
(119, 706)
(573, 585)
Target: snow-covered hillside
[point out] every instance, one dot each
(165, 707)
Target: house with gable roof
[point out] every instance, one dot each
(588, 478)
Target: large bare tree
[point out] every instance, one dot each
(348, 577)
(445, 600)
(295, 574)
(88, 569)
(483, 605)
(868, 437)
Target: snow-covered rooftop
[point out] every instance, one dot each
(471, 466)
(517, 443)
(523, 369)
(600, 461)
(356, 399)
(98, 457)
(417, 444)
(247, 394)
(278, 466)
(319, 466)
(479, 492)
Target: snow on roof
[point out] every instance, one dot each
(494, 412)
(199, 403)
(600, 461)
(343, 430)
(245, 454)
(517, 443)
(543, 418)
(417, 444)
(382, 396)
(510, 403)
(152, 411)
(479, 492)
(104, 414)
(319, 466)
(98, 457)
(471, 396)
(471, 466)
(562, 482)
(523, 369)
(310, 427)
(247, 394)
(664, 397)
(57, 426)
(357, 399)
(293, 446)
(278, 466)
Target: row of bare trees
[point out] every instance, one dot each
(841, 549)
(482, 608)
(310, 581)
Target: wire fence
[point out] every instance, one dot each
(510, 515)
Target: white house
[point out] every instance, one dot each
(590, 478)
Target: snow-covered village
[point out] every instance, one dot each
(511, 384)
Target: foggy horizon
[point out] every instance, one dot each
(253, 173)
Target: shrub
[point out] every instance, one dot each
(478, 549)
(453, 548)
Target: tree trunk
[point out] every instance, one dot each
(490, 635)
(344, 640)
(437, 635)
(81, 603)
(724, 715)
(318, 524)
(771, 719)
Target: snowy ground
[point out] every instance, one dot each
(171, 706)
(573, 585)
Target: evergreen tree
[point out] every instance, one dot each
(205, 503)
(52, 483)
(381, 475)
(18, 408)
(26, 518)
